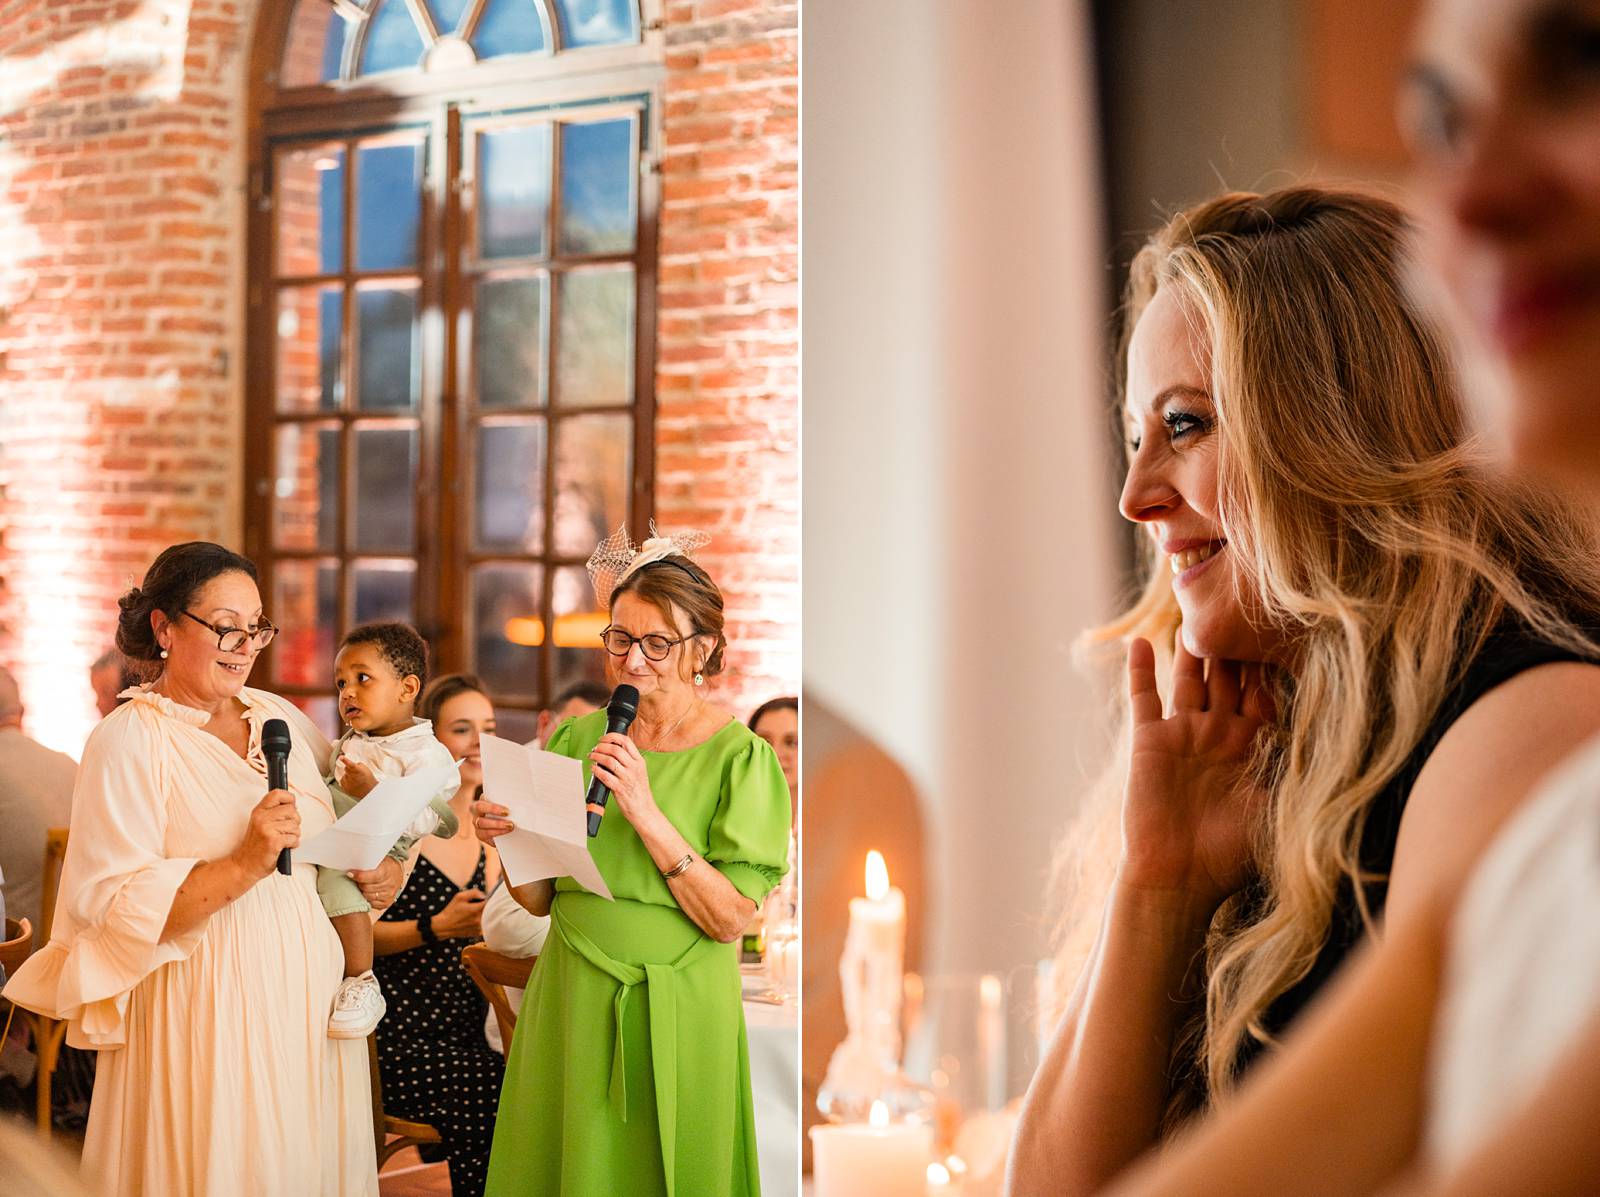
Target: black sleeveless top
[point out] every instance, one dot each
(1506, 654)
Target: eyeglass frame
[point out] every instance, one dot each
(639, 640)
(266, 625)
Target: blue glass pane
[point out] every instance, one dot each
(386, 337)
(513, 191)
(597, 174)
(598, 22)
(393, 41)
(330, 189)
(447, 14)
(386, 488)
(388, 206)
(384, 590)
(333, 50)
(510, 27)
(510, 471)
(330, 316)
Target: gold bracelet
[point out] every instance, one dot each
(680, 867)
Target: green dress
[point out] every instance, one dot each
(629, 1074)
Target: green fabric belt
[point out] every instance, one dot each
(662, 995)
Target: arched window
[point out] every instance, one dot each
(450, 327)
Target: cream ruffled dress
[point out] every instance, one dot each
(216, 1074)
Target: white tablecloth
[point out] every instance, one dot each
(774, 1035)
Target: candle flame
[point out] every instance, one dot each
(877, 876)
(879, 1115)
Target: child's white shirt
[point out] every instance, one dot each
(405, 752)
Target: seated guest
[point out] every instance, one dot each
(777, 721)
(1457, 1059)
(577, 699)
(433, 1060)
(110, 675)
(1377, 650)
(35, 795)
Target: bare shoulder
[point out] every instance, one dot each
(1489, 762)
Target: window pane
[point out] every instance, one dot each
(578, 620)
(386, 490)
(598, 22)
(594, 469)
(509, 27)
(520, 727)
(315, 45)
(508, 627)
(447, 14)
(597, 176)
(320, 711)
(304, 606)
(392, 39)
(388, 205)
(513, 191)
(305, 506)
(383, 590)
(509, 337)
(510, 490)
(310, 210)
(386, 333)
(310, 320)
(594, 345)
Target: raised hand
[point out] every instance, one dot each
(274, 825)
(1189, 811)
(490, 820)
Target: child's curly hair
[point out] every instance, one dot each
(401, 645)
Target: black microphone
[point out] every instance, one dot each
(624, 705)
(275, 747)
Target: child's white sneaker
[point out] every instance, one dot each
(357, 1008)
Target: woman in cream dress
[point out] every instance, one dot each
(202, 975)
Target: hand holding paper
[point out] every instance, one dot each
(367, 831)
(544, 793)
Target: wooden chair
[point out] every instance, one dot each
(49, 1034)
(17, 944)
(411, 1134)
(55, 854)
(492, 973)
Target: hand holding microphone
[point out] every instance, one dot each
(620, 713)
(275, 747)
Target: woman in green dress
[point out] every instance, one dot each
(628, 1072)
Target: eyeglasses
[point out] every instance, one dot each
(654, 646)
(233, 640)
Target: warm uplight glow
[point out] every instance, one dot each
(526, 631)
(989, 990)
(580, 631)
(571, 631)
(877, 876)
(938, 1175)
(879, 1115)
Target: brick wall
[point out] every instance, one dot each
(727, 360)
(121, 240)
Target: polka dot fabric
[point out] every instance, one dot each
(435, 1063)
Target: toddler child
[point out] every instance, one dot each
(378, 675)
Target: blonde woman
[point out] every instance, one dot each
(1376, 651)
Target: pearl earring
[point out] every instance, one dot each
(163, 654)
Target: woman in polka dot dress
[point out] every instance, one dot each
(434, 1062)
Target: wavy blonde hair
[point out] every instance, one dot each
(1364, 530)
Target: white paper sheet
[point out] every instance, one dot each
(365, 833)
(544, 793)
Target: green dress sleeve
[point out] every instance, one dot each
(749, 837)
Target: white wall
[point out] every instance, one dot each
(958, 503)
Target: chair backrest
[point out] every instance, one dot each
(55, 853)
(16, 945)
(492, 972)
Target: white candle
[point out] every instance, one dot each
(872, 965)
(876, 1159)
